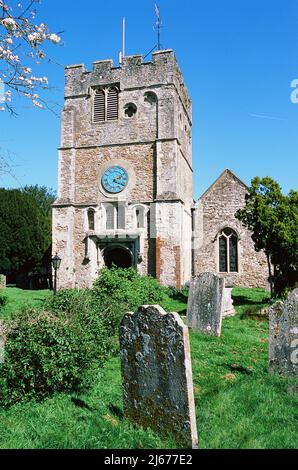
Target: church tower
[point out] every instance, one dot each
(125, 188)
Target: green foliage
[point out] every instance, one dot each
(53, 351)
(25, 232)
(43, 196)
(273, 219)
(127, 286)
(238, 404)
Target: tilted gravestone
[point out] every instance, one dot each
(283, 336)
(2, 281)
(204, 309)
(156, 373)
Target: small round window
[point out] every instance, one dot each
(130, 110)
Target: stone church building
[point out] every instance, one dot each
(125, 182)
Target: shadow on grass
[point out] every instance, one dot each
(81, 404)
(116, 411)
(179, 295)
(238, 368)
(243, 300)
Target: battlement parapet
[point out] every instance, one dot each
(133, 73)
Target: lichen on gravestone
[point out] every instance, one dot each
(2, 281)
(283, 336)
(156, 373)
(205, 301)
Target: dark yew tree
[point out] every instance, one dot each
(273, 219)
(25, 232)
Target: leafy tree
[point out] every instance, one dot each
(273, 219)
(43, 196)
(24, 234)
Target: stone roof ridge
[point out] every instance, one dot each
(225, 172)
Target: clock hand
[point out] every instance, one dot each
(118, 182)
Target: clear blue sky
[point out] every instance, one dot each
(238, 58)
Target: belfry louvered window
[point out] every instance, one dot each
(99, 108)
(105, 104)
(228, 251)
(112, 104)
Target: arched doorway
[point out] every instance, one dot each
(119, 256)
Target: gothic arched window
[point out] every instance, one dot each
(91, 219)
(228, 251)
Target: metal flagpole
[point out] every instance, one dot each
(158, 24)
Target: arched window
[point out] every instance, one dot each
(105, 104)
(112, 104)
(150, 98)
(140, 217)
(99, 108)
(91, 219)
(228, 251)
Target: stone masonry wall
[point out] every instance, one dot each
(154, 146)
(215, 211)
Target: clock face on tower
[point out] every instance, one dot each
(114, 179)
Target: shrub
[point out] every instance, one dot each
(128, 287)
(55, 351)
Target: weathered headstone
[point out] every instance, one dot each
(228, 309)
(204, 309)
(156, 373)
(3, 332)
(283, 336)
(2, 281)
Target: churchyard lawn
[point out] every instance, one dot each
(238, 404)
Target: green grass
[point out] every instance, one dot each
(18, 298)
(238, 404)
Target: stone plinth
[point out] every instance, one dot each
(228, 309)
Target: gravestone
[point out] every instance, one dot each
(3, 332)
(2, 281)
(283, 336)
(156, 373)
(204, 309)
(228, 309)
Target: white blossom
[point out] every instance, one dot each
(54, 38)
(22, 41)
